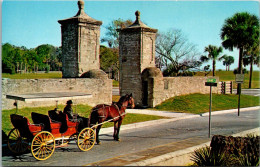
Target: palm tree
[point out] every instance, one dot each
(228, 60)
(251, 57)
(213, 54)
(240, 31)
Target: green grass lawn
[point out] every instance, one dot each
(32, 75)
(82, 110)
(199, 103)
(115, 83)
(230, 76)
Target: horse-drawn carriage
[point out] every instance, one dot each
(55, 129)
(46, 134)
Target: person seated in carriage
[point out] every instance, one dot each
(83, 122)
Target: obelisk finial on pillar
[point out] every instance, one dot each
(81, 8)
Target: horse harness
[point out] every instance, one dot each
(117, 108)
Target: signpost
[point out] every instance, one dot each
(239, 80)
(210, 82)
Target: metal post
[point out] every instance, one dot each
(239, 93)
(210, 104)
(16, 106)
(57, 104)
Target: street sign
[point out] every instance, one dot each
(239, 81)
(212, 80)
(210, 84)
(239, 78)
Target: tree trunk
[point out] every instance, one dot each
(214, 67)
(240, 68)
(21, 67)
(226, 67)
(251, 71)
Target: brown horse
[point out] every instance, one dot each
(113, 113)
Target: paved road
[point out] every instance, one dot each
(137, 139)
(252, 92)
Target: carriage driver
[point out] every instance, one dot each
(74, 116)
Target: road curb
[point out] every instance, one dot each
(232, 111)
(182, 157)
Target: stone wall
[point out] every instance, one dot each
(100, 89)
(69, 51)
(164, 88)
(80, 48)
(136, 53)
(89, 47)
(130, 78)
(148, 50)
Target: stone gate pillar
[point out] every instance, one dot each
(80, 43)
(136, 53)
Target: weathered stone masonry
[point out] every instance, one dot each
(80, 49)
(136, 52)
(80, 57)
(138, 74)
(80, 44)
(100, 89)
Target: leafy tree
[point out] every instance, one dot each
(7, 60)
(44, 57)
(240, 31)
(31, 58)
(47, 56)
(213, 54)
(109, 60)
(173, 47)
(111, 35)
(206, 70)
(17, 54)
(228, 60)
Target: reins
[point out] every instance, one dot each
(94, 126)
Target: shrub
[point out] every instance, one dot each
(208, 157)
(229, 151)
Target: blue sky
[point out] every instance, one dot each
(32, 23)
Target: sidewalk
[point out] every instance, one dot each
(171, 154)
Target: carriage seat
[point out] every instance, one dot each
(54, 115)
(63, 118)
(23, 125)
(49, 125)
